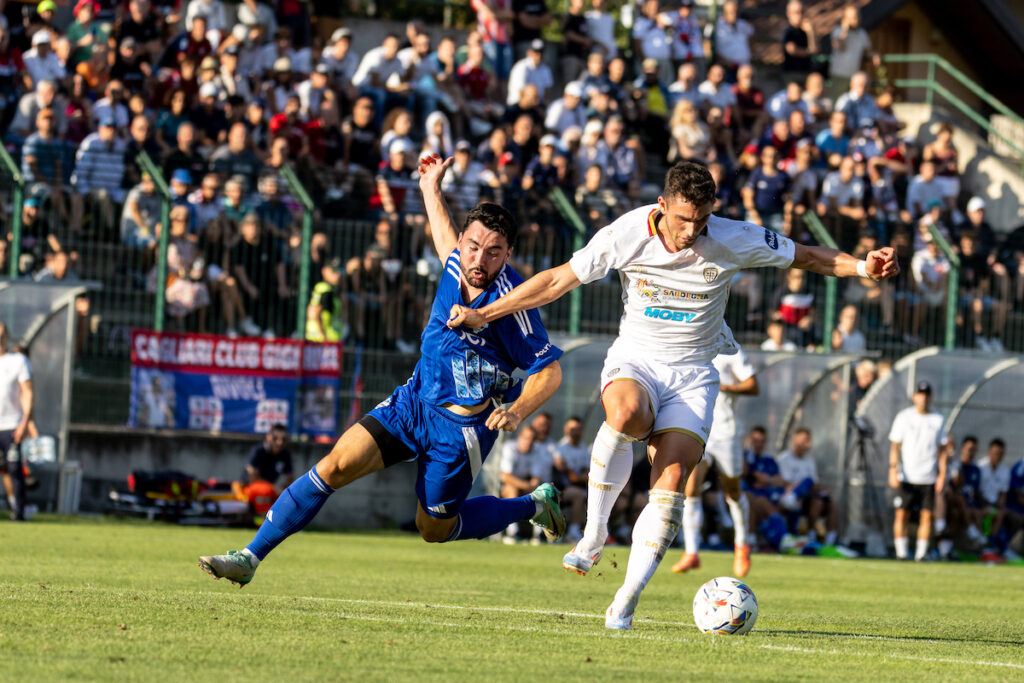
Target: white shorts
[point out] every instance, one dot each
(682, 396)
(727, 454)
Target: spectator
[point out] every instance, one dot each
(478, 96)
(531, 16)
(15, 419)
(494, 22)
(984, 286)
(185, 155)
(917, 468)
(254, 13)
(601, 25)
(275, 213)
(44, 164)
(112, 106)
(327, 310)
(858, 105)
(371, 293)
(833, 143)
(715, 92)
(397, 127)
(140, 219)
(381, 76)
(766, 193)
(539, 177)
(191, 43)
(850, 44)
(976, 223)
(799, 43)
(396, 187)
(687, 38)
(260, 273)
(804, 494)
(793, 303)
(776, 340)
(652, 38)
(750, 102)
(84, 32)
(572, 466)
(690, 137)
(186, 290)
(341, 62)
(44, 97)
(131, 66)
(930, 269)
(204, 203)
(818, 104)
(788, 100)
(623, 167)
(524, 466)
(963, 496)
(944, 155)
(765, 486)
(865, 373)
(847, 337)
(568, 110)
(139, 140)
(923, 190)
(439, 135)
(234, 157)
(465, 178)
(731, 37)
(843, 196)
(993, 487)
(268, 471)
(597, 205)
(211, 126)
(99, 169)
(578, 42)
(216, 18)
(530, 70)
(41, 62)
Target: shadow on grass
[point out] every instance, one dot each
(870, 636)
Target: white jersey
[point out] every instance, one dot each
(994, 481)
(920, 437)
(794, 470)
(732, 369)
(14, 369)
(674, 303)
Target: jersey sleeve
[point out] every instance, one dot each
(600, 255)
(757, 247)
(943, 437)
(527, 343)
(741, 367)
(24, 369)
(897, 429)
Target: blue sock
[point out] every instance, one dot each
(296, 508)
(485, 516)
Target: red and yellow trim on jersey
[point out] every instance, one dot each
(652, 222)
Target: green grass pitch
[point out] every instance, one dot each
(109, 601)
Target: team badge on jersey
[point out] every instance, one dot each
(710, 274)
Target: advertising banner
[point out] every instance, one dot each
(212, 383)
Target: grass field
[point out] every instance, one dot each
(110, 600)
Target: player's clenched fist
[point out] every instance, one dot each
(882, 263)
(464, 316)
(504, 420)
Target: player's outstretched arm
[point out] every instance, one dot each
(880, 264)
(543, 288)
(432, 169)
(538, 388)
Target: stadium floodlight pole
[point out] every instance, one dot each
(952, 285)
(18, 199)
(831, 284)
(154, 172)
(300, 193)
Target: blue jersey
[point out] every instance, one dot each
(767, 465)
(466, 366)
(1015, 495)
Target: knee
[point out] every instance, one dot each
(431, 532)
(629, 417)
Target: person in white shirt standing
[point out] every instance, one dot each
(917, 468)
(572, 462)
(15, 414)
(658, 384)
(736, 377)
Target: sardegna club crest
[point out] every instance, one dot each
(710, 274)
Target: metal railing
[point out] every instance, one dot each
(952, 285)
(17, 198)
(149, 166)
(932, 87)
(817, 229)
(308, 208)
(579, 232)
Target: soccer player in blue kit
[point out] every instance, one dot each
(445, 417)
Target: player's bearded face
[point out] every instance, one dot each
(483, 253)
(684, 222)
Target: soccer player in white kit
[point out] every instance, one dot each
(675, 261)
(736, 377)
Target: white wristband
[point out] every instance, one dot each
(862, 269)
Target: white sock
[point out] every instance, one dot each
(945, 547)
(611, 462)
(739, 510)
(922, 549)
(512, 529)
(693, 520)
(902, 547)
(10, 502)
(653, 532)
(940, 525)
(253, 560)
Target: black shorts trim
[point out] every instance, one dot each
(915, 496)
(392, 450)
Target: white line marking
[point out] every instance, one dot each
(639, 622)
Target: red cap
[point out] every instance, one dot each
(81, 4)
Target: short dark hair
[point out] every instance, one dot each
(970, 438)
(997, 442)
(279, 427)
(759, 428)
(574, 418)
(494, 217)
(802, 430)
(691, 182)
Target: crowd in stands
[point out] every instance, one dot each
(223, 97)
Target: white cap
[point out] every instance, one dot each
(208, 90)
(976, 204)
(549, 140)
(573, 89)
(40, 37)
(400, 146)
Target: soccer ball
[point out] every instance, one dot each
(725, 605)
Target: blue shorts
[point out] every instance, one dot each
(449, 449)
